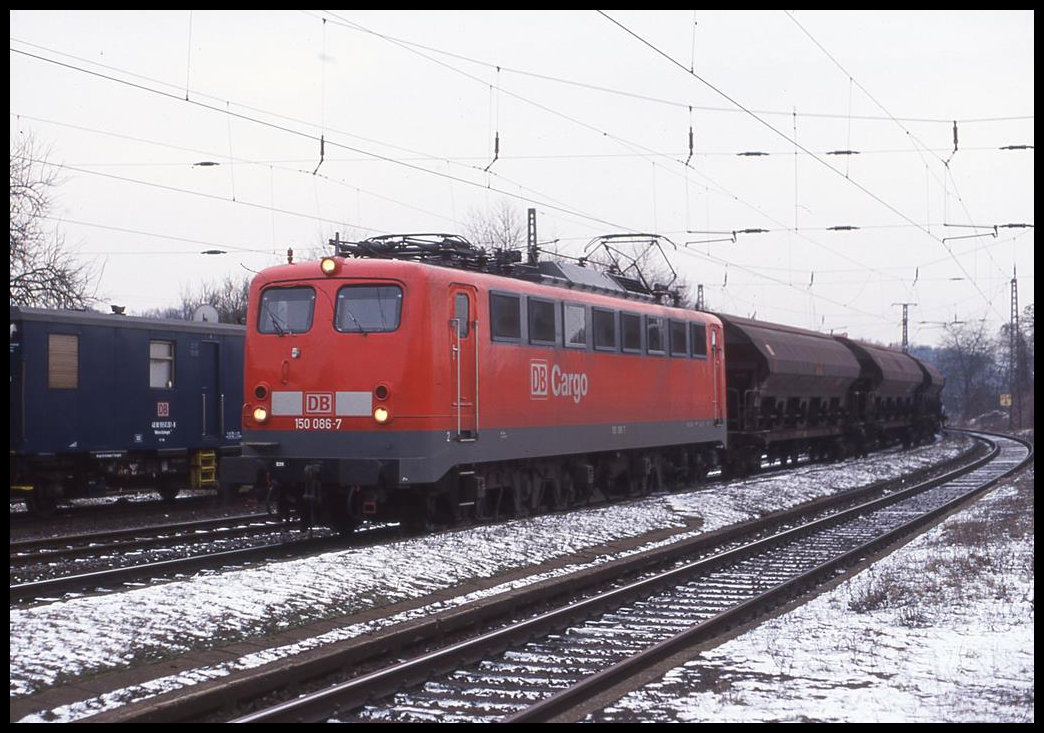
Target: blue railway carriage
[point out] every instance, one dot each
(104, 402)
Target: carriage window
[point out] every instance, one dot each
(368, 308)
(541, 321)
(679, 344)
(654, 334)
(698, 339)
(574, 323)
(631, 332)
(161, 364)
(604, 323)
(505, 320)
(286, 310)
(63, 361)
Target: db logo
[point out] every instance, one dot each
(318, 402)
(538, 379)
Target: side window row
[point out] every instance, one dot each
(576, 326)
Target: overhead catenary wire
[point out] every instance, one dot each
(702, 152)
(945, 163)
(861, 187)
(659, 100)
(370, 154)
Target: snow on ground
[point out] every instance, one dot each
(941, 631)
(77, 636)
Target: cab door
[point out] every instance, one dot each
(464, 359)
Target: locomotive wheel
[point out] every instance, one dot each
(580, 488)
(567, 489)
(518, 503)
(419, 518)
(345, 512)
(283, 505)
(481, 510)
(653, 482)
(556, 494)
(519, 497)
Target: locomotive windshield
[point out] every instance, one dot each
(286, 310)
(368, 308)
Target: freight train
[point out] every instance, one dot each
(102, 403)
(420, 379)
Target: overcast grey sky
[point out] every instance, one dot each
(376, 122)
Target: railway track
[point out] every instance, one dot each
(110, 560)
(127, 505)
(107, 562)
(561, 664)
(113, 580)
(69, 546)
(465, 659)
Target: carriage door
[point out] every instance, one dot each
(464, 359)
(209, 388)
(715, 337)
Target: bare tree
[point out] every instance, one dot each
(968, 360)
(1019, 373)
(43, 272)
(229, 297)
(500, 228)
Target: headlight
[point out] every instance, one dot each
(260, 415)
(381, 415)
(328, 265)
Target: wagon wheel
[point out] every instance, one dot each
(168, 490)
(278, 502)
(43, 500)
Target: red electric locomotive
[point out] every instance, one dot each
(419, 379)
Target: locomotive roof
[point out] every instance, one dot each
(93, 318)
(564, 276)
(454, 251)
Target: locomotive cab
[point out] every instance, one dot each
(346, 384)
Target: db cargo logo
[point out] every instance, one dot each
(544, 382)
(538, 380)
(318, 403)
